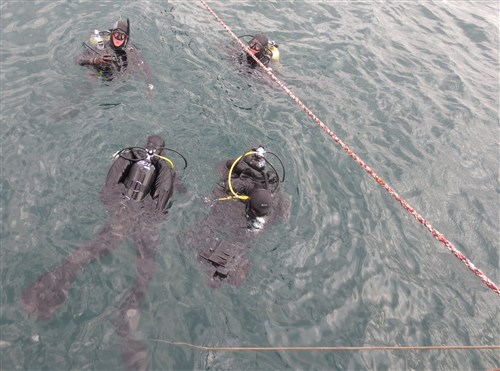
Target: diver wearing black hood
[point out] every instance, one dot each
(137, 195)
(245, 201)
(111, 53)
(262, 48)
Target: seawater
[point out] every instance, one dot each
(412, 88)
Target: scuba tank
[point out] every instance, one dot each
(273, 50)
(99, 39)
(140, 180)
(141, 177)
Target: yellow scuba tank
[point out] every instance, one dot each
(272, 49)
(275, 53)
(98, 39)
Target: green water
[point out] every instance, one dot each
(412, 88)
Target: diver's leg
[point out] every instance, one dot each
(108, 238)
(45, 295)
(134, 354)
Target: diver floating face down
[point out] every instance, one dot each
(155, 143)
(247, 200)
(134, 221)
(261, 202)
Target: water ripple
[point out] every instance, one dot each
(409, 87)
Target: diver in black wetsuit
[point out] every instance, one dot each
(137, 192)
(111, 53)
(264, 49)
(247, 200)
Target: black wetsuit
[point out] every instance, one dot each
(225, 234)
(128, 219)
(264, 57)
(125, 61)
(248, 175)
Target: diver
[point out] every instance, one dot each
(263, 49)
(247, 200)
(249, 181)
(137, 194)
(111, 53)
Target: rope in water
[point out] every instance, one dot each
(366, 348)
(437, 235)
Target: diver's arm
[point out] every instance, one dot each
(241, 185)
(242, 167)
(147, 74)
(139, 59)
(118, 171)
(238, 168)
(284, 206)
(94, 60)
(265, 60)
(272, 177)
(179, 186)
(163, 187)
(85, 59)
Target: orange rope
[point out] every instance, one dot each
(367, 348)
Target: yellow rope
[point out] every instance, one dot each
(366, 348)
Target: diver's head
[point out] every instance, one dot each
(258, 44)
(120, 34)
(154, 143)
(261, 201)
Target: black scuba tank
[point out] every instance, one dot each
(140, 180)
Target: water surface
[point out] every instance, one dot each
(412, 88)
